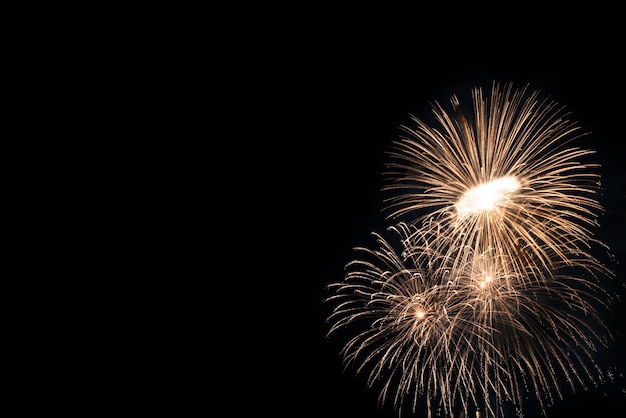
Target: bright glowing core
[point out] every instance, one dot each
(486, 280)
(485, 196)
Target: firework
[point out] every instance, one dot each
(488, 294)
(507, 174)
(404, 315)
(467, 335)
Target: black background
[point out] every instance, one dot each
(325, 106)
(241, 152)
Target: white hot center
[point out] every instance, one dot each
(486, 196)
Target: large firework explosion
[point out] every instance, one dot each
(489, 294)
(508, 175)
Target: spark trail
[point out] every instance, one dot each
(488, 293)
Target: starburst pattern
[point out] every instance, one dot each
(508, 174)
(489, 293)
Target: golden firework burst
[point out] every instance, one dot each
(489, 291)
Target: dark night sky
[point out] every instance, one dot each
(336, 106)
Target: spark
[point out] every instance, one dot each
(465, 335)
(508, 173)
(489, 289)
